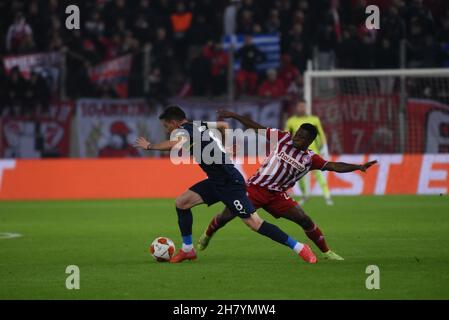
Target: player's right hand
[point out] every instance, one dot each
(367, 165)
(142, 143)
(224, 114)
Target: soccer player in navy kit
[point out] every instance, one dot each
(224, 183)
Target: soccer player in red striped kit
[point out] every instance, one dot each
(288, 161)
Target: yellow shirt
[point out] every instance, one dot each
(294, 122)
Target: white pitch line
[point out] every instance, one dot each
(9, 235)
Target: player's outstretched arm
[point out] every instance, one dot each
(224, 114)
(343, 167)
(142, 143)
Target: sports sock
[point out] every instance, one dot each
(214, 225)
(323, 184)
(274, 233)
(317, 237)
(185, 221)
(295, 245)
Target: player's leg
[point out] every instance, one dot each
(217, 222)
(257, 196)
(202, 192)
(319, 176)
(312, 231)
(236, 199)
(273, 232)
(184, 203)
(283, 206)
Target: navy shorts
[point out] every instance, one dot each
(233, 195)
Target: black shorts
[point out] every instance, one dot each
(233, 195)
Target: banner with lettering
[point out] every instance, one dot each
(360, 124)
(265, 112)
(115, 73)
(44, 136)
(370, 124)
(48, 65)
(108, 128)
(428, 126)
(160, 178)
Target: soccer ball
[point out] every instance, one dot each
(162, 249)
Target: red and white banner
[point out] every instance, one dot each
(108, 128)
(370, 124)
(114, 72)
(359, 124)
(428, 126)
(42, 136)
(265, 112)
(46, 64)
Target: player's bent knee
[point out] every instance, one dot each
(254, 221)
(182, 203)
(188, 200)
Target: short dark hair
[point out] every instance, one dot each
(311, 129)
(173, 112)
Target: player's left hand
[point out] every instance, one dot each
(365, 166)
(142, 143)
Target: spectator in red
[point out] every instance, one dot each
(249, 56)
(287, 72)
(20, 35)
(273, 87)
(219, 60)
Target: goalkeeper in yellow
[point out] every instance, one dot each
(319, 146)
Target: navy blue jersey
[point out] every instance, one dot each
(209, 153)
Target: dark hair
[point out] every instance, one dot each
(173, 112)
(311, 129)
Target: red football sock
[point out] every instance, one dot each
(213, 226)
(317, 237)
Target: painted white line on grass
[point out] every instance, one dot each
(9, 235)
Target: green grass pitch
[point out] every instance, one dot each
(407, 237)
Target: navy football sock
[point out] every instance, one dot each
(185, 221)
(274, 233)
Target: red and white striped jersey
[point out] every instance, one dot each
(285, 164)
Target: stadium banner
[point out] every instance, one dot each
(368, 124)
(48, 65)
(43, 136)
(159, 178)
(114, 72)
(267, 112)
(263, 111)
(359, 124)
(108, 128)
(428, 126)
(269, 44)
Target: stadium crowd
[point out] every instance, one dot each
(187, 57)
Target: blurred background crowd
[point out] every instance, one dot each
(185, 38)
